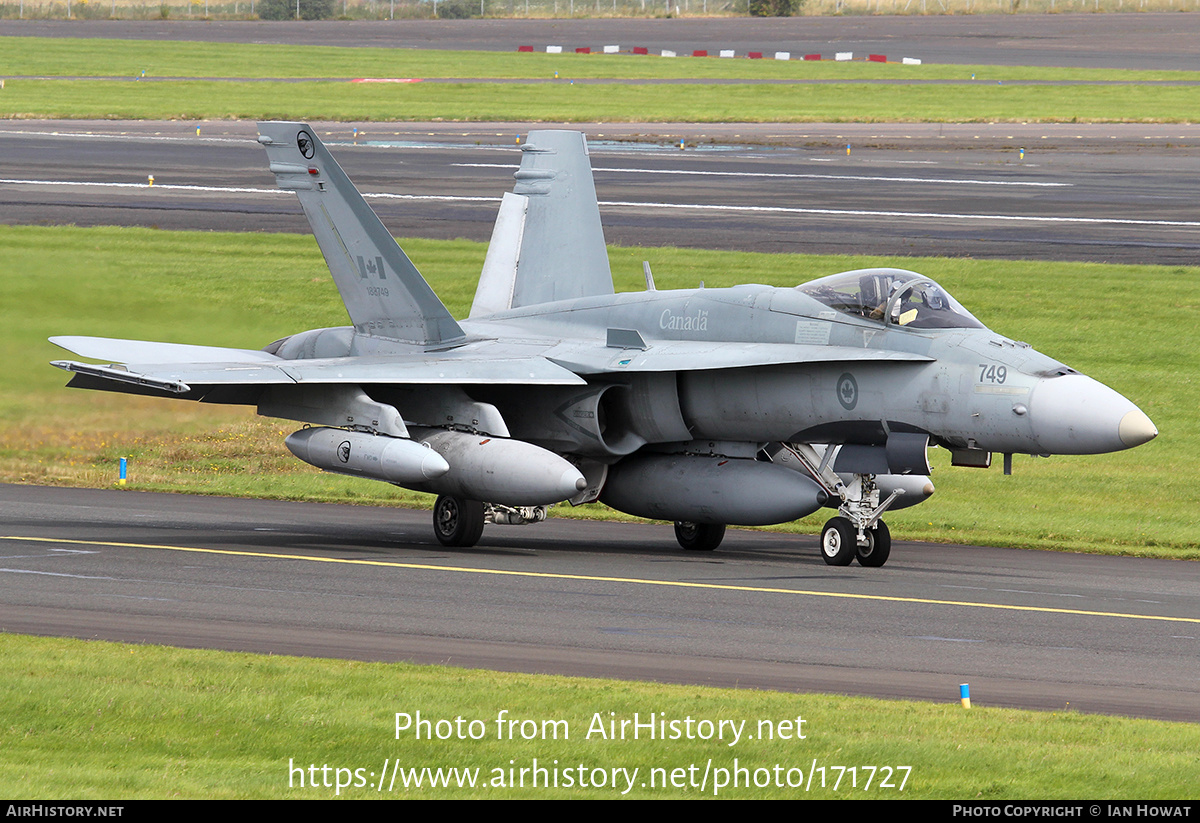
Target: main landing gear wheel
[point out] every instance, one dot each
(457, 522)
(699, 537)
(879, 546)
(839, 542)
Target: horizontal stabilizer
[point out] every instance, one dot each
(113, 350)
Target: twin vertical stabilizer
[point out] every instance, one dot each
(548, 243)
(384, 293)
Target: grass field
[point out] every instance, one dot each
(68, 57)
(194, 288)
(172, 723)
(995, 94)
(603, 102)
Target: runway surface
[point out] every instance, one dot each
(1027, 629)
(1139, 41)
(1111, 193)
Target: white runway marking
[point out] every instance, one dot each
(802, 176)
(58, 574)
(917, 215)
(912, 214)
(153, 137)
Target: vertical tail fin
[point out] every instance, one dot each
(548, 243)
(384, 293)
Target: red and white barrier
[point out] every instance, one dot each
(841, 56)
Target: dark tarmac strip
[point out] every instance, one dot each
(1024, 628)
(1116, 193)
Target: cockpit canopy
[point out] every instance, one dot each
(892, 296)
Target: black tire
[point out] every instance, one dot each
(839, 542)
(699, 537)
(457, 522)
(878, 548)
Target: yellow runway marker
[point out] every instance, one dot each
(600, 579)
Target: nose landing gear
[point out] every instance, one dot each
(841, 543)
(857, 531)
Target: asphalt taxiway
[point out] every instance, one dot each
(1029, 629)
(1103, 193)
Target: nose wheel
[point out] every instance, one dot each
(841, 543)
(878, 548)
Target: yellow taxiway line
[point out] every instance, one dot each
(600, 579)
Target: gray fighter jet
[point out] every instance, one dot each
(749, 405)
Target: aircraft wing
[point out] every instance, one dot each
(697, 355)
(181, 369)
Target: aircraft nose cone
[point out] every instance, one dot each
(1074, 414)
(1136, 428)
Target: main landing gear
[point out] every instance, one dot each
(699, 537)
(457, 522)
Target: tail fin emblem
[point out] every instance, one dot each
(304, 142)
(368, 267)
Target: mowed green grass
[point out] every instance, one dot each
(154, 722)
(194, 94)
(69, 57)
(602, 102)
(246, 290)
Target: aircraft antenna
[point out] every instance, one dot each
(649, 276)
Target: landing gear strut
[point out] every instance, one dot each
(857, 531)
(699, 537)
(457, 522)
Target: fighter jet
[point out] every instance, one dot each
(750, 405)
